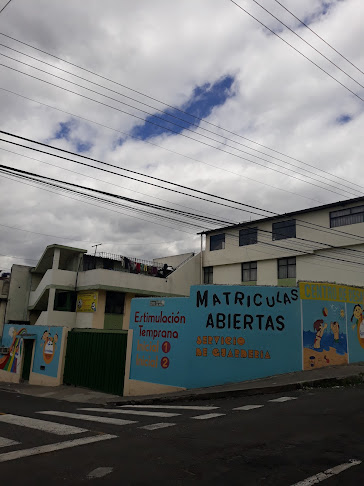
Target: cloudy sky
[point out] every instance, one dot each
(277, 132)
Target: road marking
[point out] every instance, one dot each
(34, 451)
(248, 407)
(91, 418)
(317, 478)
(283, 399)
(177, 407)
(43, 425)
(131, 412)
(4, 442)
(100, 472)
(162, 425)
(208, 416)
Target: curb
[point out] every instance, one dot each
(209, 395)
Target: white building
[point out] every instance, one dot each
(324, 243)
(69, 288)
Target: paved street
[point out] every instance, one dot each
(267, 439)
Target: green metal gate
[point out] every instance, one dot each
(96, 360)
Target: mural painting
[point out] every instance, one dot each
(11, 361)
(46, 353)
(219, 334)
(333, 327)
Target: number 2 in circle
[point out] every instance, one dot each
(165, 362)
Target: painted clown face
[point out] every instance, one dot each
(49, 346)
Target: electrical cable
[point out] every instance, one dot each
(342, 187)
(317, 35)
(299, 52)
(161, 111)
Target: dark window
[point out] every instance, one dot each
(89, 262)
(108, 264)
(248, 236)
(217, 242)
(284, 229)
(249, 272)
(287, 267)
(208, 274)
(65, 301)
(347, 216)
(114, 303)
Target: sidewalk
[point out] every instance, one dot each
(322, 377)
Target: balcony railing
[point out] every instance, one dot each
(113, 261)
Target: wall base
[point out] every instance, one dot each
(137, 388)
(7, 377)
(37, 379)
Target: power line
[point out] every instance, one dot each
(166, 114)
(321, 228)
(299, 52)
(131, 171)
(96, 179)
(270, 244)
(160, 146)
(342, 187)
(306, 42)
(317, 35)
(4, 7)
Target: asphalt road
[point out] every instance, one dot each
(275, 443)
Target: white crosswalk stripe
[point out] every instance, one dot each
(176, 407)
(162, 425)
(131, 412)
(283, 399)
(42, 425)
(208, 416)
(4, 442)
(248, 407)
(91, 418)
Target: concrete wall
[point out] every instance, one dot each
(61, 279)
(20, 282)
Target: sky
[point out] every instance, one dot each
(192, 92)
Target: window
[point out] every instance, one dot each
(65, 301)
(114, 303)
(248, 236)
(249, 272)
(208, 274)
(287, 267)
(284, 229)
(217, 242)
(347, 216)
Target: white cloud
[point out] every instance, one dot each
(166, 49)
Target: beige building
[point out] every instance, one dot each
(70, 288)
(324, 243)
(4, 291)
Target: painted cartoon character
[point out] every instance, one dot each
(49, 346)
(335, 328)
(319, 327)
(93, 306)
(358, 323)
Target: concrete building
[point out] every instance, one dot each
(324, 243)
(69, 288)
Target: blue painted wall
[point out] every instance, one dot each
(47, 348)
(220, 334)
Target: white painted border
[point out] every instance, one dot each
(34, 451)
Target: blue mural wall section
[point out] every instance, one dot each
(47, 348)
(219, 334)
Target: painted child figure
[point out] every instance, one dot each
(335, 328)
(319, 327)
